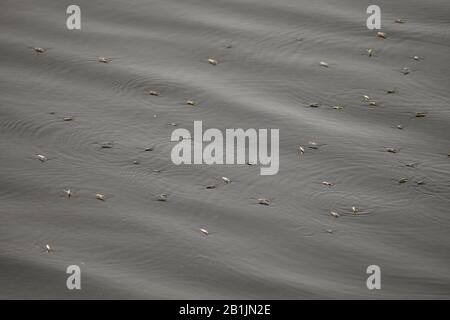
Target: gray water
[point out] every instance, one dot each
(131, 246)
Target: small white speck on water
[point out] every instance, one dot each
(204, 232)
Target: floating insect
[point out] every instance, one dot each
(402, 180)
(398, 20)
(330, 231)
(148, 149)
(420, 182)
(104, 59)
(39, 49)
(370, 52)
(211, 186)
(107, 145)
(323, 64)
(48, 249)
(162, 197)
(226, 180)
(191, 103)
(264, 201)
(335, 214)
(421, 114)
(391, 91)
(412, 164)
(338, 107)
(417, 58)
(301, 150)
(314, 105)
(41, 157)
(313, 145)
(381, 35)
(152, 93)
(326, 183)
(366, 97)
(68, 119)
(372, 103)
(100, 197)
(399, 127)
(392, 150)
(355, 210)
(68, 193)
(405, 71)
(213, 62)
(204, 231)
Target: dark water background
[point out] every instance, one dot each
(131, 246)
